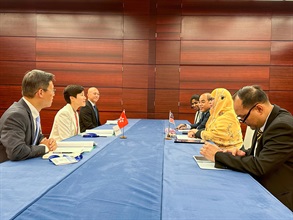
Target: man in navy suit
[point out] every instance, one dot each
(89, 114)
(20, 131)
(270, 158)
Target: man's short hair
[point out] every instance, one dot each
(250, 95)
(72, 90)
(35, 80)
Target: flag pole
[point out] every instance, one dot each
(123, 136)
(168, 136)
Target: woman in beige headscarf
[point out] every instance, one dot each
(222, 127)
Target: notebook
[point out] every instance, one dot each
(186, 139)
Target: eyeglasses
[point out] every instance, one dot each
(247, 115)
(53, 91)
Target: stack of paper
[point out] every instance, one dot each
(74, 146)
(185, 139)
(204, 163)
(111, 122)
(101, 132)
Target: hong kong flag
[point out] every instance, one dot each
(122, 121)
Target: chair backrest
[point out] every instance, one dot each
(248, 137)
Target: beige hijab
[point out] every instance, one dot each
(223, 127)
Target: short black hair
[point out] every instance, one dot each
(194, 96)
(250, 95)
(72, 90)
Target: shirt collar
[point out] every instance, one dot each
(34, 111)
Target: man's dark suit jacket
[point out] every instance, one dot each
(273, 164)
(17, 134)
(87, 117)
(202, 122)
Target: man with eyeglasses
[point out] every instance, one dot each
(20, 128)
(270, 158)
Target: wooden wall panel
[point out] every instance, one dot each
(9, 94)
(225, 52)
(139, 27)
(17, 24)
(169, 7)
(229, 77)
(168, 52)
(12, 72)
(17, 48)
(136, 76)
(282, 98)
(110, 100)
(79, 50)
(135, 100)
(282, 28)
(136, 52)
(226, 28)
(87, 75)
(134, 7)
(166, 100)
(80, 26)
(281, 78)
(167, 77)
(168, 27)
(282, 53)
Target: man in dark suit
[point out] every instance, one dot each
(20, 131)
(270, 158)
(89, 115)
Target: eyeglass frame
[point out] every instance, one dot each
(247, 115)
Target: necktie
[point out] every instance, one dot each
(37, 130)
(258, 136)
(96, 112)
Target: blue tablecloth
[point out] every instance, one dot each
(141, 177)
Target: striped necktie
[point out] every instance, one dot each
(96, 112)
(259, 134)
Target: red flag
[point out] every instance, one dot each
(122, 121)
(171, 118)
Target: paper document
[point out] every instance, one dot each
(62, 160)
(74, 146)
(111, 122)
(204, 163)
(101, 132)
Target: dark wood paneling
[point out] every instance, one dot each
(135, 7)
(229, 77)
(136, 52)
(135, 100)
(225, 52)
(281, 78)
(80, 26)
(12, 72)
(191, 7)
(282, 53)
(169, 7)
(17, 24)
(110, 100)
(282, 98)
(79, 50)
(47, 119)
(226, 28)
(139, 27)
(168, 52)
(282, 28)
(17, 48)
(168, 27)
(167, 77)
(136, 76)
(97, 75)
(166, 100)
(9, 94)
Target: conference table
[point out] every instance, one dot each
(142, 177)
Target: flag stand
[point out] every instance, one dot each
(122, 136)
(168, 136)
